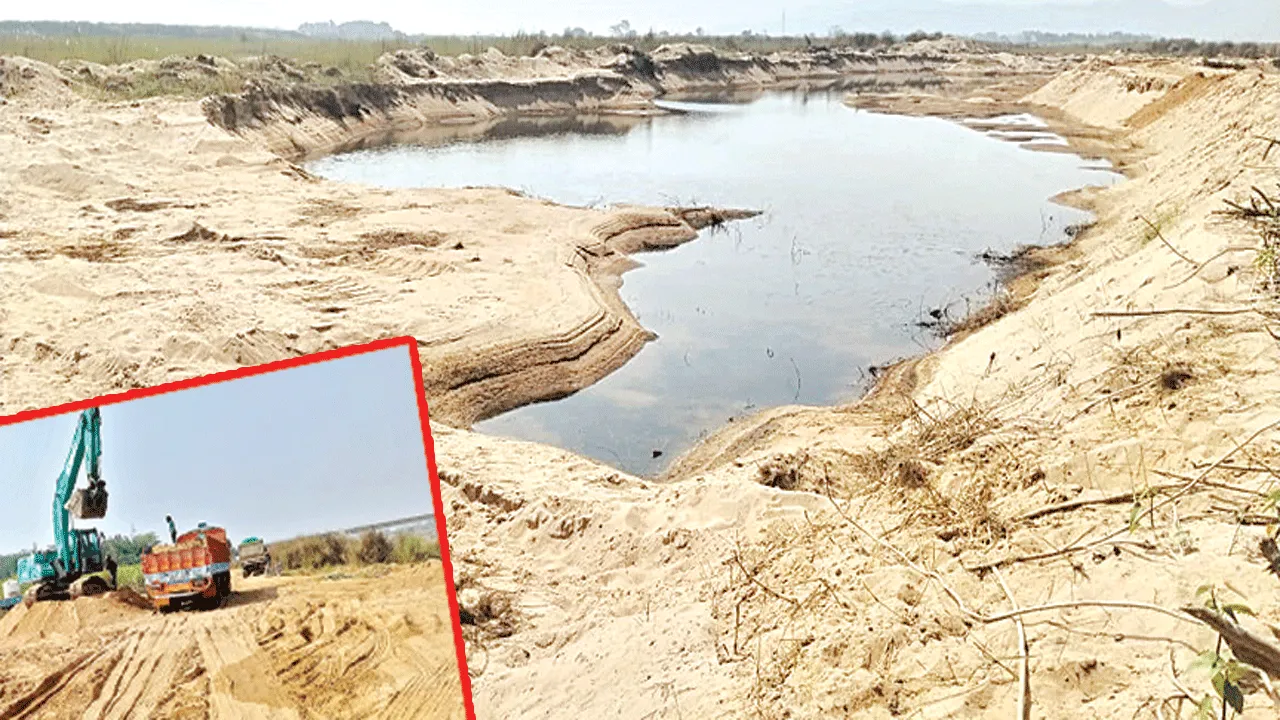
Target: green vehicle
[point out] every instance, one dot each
(255, 557)
(76, 563)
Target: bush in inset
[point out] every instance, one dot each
(130, 576)
(414, 549)
(374, 548)
(313, 553)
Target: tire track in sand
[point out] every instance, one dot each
(283, 648)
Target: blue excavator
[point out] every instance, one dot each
(75, 565)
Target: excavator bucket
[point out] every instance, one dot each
(88, 503)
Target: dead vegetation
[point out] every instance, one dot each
(332, 550)
(784, 592)
(486, 615)
(1263, 211)
(1017, 273)
(394, 238)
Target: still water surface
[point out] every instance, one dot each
(868, 221)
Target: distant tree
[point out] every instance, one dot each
(128, 550)
(9, 565)
(698, 32)
(835, 32)
(622, 29)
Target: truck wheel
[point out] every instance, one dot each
(222, 583)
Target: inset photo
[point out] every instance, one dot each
(263, 543)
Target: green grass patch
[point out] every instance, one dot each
(130, 576)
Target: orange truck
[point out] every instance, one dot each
(194, 570)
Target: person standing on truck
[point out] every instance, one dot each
(173, 529)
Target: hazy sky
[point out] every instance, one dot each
(314, 448)
(1205, 18)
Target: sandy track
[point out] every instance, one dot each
(376, 646)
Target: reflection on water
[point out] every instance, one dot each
(868, 220)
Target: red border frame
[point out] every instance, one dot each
(312, 359)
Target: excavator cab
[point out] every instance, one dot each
(89, 551)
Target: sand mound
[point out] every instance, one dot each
(66, 618)
(34, 80)
(942, 46)
(1107, 91)
(130, 598)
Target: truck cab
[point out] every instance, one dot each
(195, 570)
(255, 557)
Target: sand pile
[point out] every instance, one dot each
(34, 81)
(73, 616)
(194, 74)
(1105, 91)
(943, 46)
(419, 64)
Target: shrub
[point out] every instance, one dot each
(313, 553)
(374, 548)
(414, 548)
(129, 576)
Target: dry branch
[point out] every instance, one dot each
(1110, 538)
(1248, 647)
(1167, 244)
(1271, 145)
(988, 619)
(1119, 499)
(1203, 265)
(1178, 311)
(1024, 670)
(737, 559)
(1173, 675)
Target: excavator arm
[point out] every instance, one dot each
(85, 503)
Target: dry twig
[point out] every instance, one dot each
(1024, 670)
(1248, 647)
(1178, 311)
(1110, 538)
(1167, 244)
(737, 559)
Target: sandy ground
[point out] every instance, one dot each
(808, 562)
(140, 244)
(364, 644)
